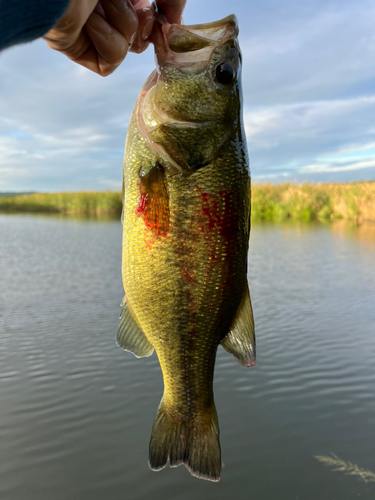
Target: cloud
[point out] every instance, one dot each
(61, 125)
(322, 51)
(288, 138)
(6, 172)
(111, 185)
(331, 167)
(308, 81)
(304, 119)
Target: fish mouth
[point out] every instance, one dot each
(189, 47)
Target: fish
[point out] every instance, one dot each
(186, 228)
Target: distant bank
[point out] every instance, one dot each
(14, 194)
(273, 202)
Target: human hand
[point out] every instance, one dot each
(98, 35)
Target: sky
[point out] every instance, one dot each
(309, 100)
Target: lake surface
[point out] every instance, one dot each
(76, 411)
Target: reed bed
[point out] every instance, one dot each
(81, 203)
(309, 202)
(272, 202)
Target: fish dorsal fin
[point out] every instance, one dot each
(240, 341)
(130, 336)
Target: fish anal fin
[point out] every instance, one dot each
(130, 336)
(240, 341)
(153, 204)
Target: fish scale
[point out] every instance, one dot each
(186, 220)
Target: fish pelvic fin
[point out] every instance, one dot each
(193, 442)
(240, 341)
(130, 336)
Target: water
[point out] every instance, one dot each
(76, 411)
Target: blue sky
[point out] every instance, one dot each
(309, 100)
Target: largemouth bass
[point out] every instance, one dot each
(186, 226)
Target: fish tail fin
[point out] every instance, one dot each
(194, 443)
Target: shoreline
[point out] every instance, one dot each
(270, 202)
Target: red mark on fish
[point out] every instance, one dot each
(221, 210)
(221, 217)
(187, 275)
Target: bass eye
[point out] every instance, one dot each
(225, 73)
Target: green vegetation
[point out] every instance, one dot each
(308, 202)
(272, 202)
(85, 203)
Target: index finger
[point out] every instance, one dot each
(172, 9)
(122, 16)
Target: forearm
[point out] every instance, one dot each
(25, 20)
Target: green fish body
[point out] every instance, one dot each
(186, 226)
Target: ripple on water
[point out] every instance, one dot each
(77, 412)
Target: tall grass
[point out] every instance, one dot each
(308, 202)
(85, 203)
(273, 202)
(348, 468)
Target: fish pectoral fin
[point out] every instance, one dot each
(153, 203)
(130, 336)
(240, 341)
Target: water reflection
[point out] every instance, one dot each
(362, 233)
